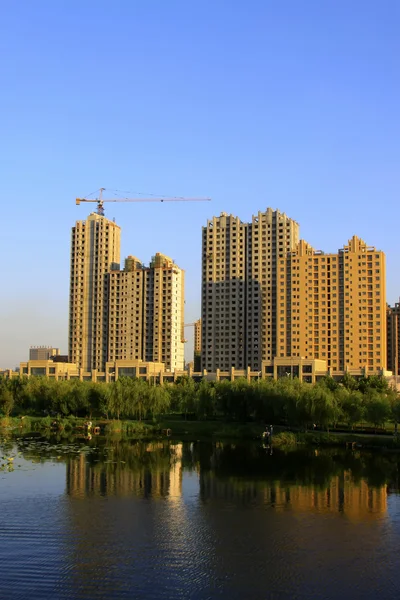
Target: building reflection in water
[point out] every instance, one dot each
(177, 509)
(156, 470)
(357, 501)
(151, 469)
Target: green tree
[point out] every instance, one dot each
(394, 400)
(186, 395)
(159, 400)
(377, 408)
(205, 400)
(329, 383)
(349, 382)
(305, 406)
(6, 401)
(115, 398)
(352, 407)
(373, 382)
(326, 408)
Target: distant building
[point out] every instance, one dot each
(43, 352)
(48, 368)
(60, 358)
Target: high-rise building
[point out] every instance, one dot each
(239, 283)
(197, 335)
(333, 306)
(271, 235)
(146, 312)
(197, 346)
(125, 315)
(393, 338)
(95, 252)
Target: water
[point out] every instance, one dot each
(122, 519)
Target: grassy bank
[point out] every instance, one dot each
(75, 425)
(179, 428)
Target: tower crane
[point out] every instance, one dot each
(100, 200)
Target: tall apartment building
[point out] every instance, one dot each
(393, 338)
(333, 306)
(239, 301)
(146, 312)
(125, 313)
(95, 252)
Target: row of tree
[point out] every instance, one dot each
(285, 401)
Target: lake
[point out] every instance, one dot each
(115, 518)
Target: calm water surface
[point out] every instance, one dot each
(121, 519)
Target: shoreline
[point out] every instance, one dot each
(190, 430)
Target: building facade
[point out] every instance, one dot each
(95, 252)
(333, 306)
(146, 312)
(197, 346)
(393, 339)
(239, 288)
(42, 352)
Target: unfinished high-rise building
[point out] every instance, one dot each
(95, 252)
(197, 346)
(333, 306)
(239, 283)
(146, 312)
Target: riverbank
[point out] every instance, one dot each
(189, 430)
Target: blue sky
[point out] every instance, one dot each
(288, 104)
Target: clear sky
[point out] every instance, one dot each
(283, 103)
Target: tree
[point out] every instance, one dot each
(349, 382)
(305, 406)
(6, 401)
(326, 409)
(159, 400)
(394, 400)
(205, 400)
(377, 408)
(96, 397)
(18, 386)
(186, 393)
(373, 382)
(115, 398)
(352, 407)
(329, 383)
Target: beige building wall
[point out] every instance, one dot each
(48, 368)
(333, 306)
(223, 315)
(164, 313)
(146, 312)
(393, 338)
(271, 235)
(95, 252)
(42, 352)
(125, 316)
(239, 297)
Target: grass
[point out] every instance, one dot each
(206, 430)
